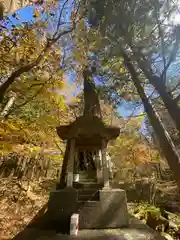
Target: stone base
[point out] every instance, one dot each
(110, 212)
(61, 205)
(114, 205)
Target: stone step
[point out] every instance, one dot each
(88, 194)
(87, 185)
(88, 198)
(88, 190)
(82, 204)
(87, 173)
(137, 232)
(87, 176)
(87, 180)
(109, 212)
(89, 212)
(142, 232)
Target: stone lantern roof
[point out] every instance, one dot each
(89, 127)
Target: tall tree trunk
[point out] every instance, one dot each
(159, 85)
(157, 82)
(165, 142)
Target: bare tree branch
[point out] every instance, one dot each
(173, 52)
(174, 88)
(28, 67)
(161, 35)
(60, 16)
(177, 98)
(62, 152)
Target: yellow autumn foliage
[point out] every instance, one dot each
(130, 150)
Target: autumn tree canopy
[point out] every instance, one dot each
(133, 55)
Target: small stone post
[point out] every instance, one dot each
(71, 163)
(76, 170)
(98, 162)
(109, 162)
(105, 165)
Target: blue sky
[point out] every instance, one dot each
(25, 15)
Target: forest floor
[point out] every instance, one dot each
(19, 203)
(21, 200)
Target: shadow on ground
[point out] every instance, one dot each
(41, 226)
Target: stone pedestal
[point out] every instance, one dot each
(61, 205)
(114, 207)
(110, 212)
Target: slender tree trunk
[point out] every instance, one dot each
(4, 86)
(164, 139)
(9, 104)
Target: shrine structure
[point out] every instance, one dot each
(85, 186)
